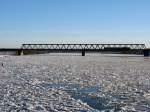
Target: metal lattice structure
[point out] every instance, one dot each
(80, 46)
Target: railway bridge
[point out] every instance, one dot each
(46, 48)
(81, 48)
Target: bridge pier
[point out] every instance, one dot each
(20, 52)
(83, 53)
(146, 52)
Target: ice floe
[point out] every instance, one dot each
(71, 83)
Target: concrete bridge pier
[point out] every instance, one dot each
(146, 52)
(83, 53)
(20, 52)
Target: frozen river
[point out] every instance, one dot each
(72, 83)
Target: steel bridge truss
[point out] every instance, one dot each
(81, 46)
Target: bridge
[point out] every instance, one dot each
(82, 48)
(43, 48)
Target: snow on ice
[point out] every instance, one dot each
(72, 83)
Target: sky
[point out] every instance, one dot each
(74, 21)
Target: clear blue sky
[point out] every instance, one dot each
(74, 21)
